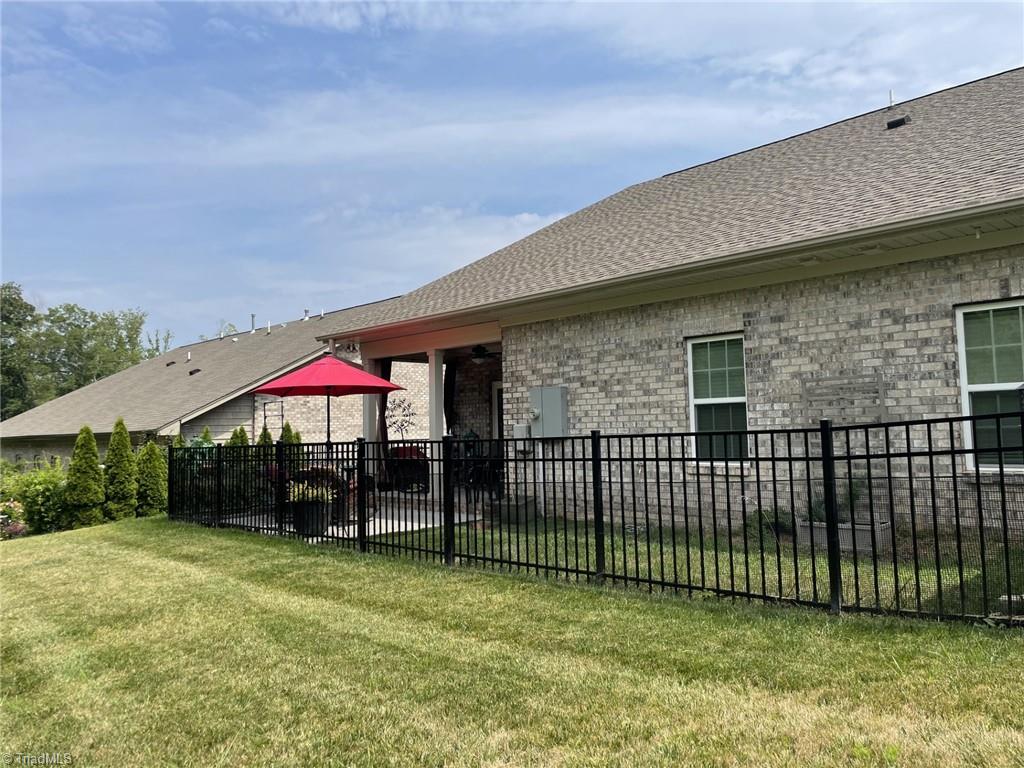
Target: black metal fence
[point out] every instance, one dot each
(922, 518)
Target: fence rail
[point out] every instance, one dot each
(922, 518)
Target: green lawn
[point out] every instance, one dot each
(718, 561)
(149, 642)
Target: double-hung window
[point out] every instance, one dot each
(991, 339)
(718, 400)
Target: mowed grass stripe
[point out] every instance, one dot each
(177, 644)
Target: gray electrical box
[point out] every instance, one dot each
(549, 411)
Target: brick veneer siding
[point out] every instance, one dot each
(473, 395)
(626, 369)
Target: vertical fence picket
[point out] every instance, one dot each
(596, 484)
(828, 471)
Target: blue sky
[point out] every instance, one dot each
(205, 161)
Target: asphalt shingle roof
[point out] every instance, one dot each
(153, 394)
(963, 147)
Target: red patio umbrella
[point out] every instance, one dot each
(330, 377)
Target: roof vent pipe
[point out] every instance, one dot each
(268, 327)
(305, 314)
(188, 357)
(252, 322)
(321, 313)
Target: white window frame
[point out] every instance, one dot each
(713, 400)
(966, 389)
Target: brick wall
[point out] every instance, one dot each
(626, 369)
(473, 395)
(309, 414)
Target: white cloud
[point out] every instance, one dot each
(124, 27)
(217, 25)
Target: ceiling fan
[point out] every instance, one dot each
(480, 354)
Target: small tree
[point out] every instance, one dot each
(121, 478)
(179, 441)
(296, 436)
(83, 494)
(152, 496)
(287, 436)
(265, 437)
(206, 437)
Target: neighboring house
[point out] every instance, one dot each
(208, 384)
(869, 269)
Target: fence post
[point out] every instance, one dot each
(219, 509)
(448, 499)
(281, 488)
(361, 479)
(595, 465)
(171, 500)
(828, 473)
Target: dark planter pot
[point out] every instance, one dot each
(309, 518)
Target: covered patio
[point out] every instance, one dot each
(464, 380)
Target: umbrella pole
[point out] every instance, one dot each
(328, 416)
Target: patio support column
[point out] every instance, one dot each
(370, 403)
(435, 414)
(435, 393)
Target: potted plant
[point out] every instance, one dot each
(309, 505)
(855, 534)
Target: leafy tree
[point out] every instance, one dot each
(152, 496)
(121, 476)
(157, 342)
(48, 354)
(83, 494)
(77, 346)
(265, 438)
(18, 380)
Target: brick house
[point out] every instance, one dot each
(209, 384)
(870, 269)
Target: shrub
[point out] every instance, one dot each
(121, 478)
(265, 438)
(12, 519)
(83, 494)
(287, 437)
(152, 497)
(41, 495)
(238, 437)
(179, 441)
(205, 440)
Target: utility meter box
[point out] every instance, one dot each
(549, 411)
